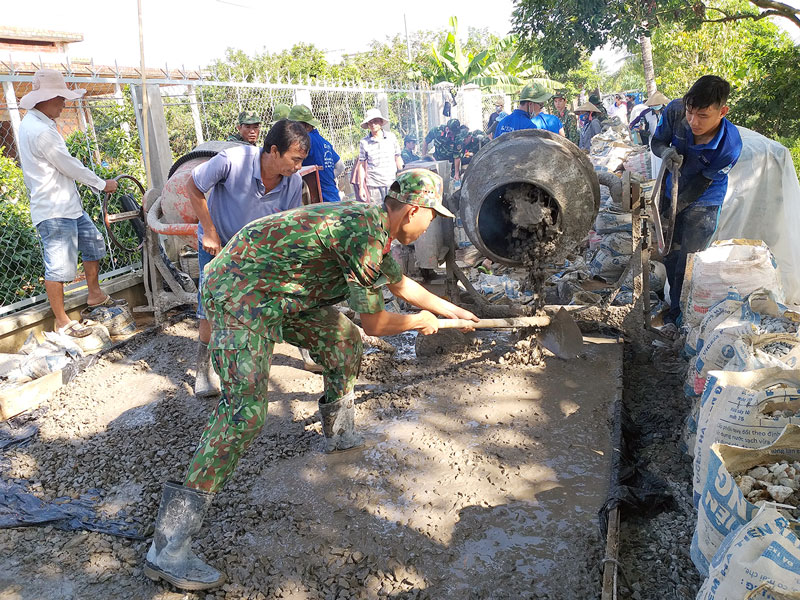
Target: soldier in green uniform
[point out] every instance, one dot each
(448, 144)
(567, 118)
(248, 128)
(409, 145)
(473, 142)
(277, 280)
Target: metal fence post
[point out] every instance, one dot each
(198, 124)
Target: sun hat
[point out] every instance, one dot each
(249, 117)
(587, 107)
(656, 99)
(420, 187)
(48, 84)
(534, 93)
(300, 112)
(373, 113)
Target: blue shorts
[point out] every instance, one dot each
(62, 239)
(203, 258)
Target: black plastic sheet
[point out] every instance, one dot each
(18, 508)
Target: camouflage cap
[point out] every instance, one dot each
(420, 187)
(453, 124)
(249, 117)
(410, 138)
(302, 113)
(279, 111)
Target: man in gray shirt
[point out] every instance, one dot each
(244, 183)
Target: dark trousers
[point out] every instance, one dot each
(694, 228)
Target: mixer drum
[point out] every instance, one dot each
(523, 176)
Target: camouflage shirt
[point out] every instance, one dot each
(570, 122)
(304, 258)
(235, 137)
(408, 156)
(447, 145)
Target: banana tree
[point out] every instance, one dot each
(488, 68)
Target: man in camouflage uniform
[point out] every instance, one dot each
(277, 280)
(473, 142)
(407, 153)
(568, 119)
(248, 128)
(448, 144)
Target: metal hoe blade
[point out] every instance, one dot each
(562, 337)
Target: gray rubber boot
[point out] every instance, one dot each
(206, 382)
(170, 557)
(338, 424)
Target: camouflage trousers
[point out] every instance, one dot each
(241, 357)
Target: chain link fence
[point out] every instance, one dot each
(100, 130)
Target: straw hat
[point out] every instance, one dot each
(656, 99)
(373, 113)
(47, 84)
(587, 107)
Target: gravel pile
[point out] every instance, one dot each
(654, 551)
(479, 480)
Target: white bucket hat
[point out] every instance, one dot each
(48, 84)
(373, 113)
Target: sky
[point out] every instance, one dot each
(191, 33)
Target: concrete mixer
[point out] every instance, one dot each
(529, 194)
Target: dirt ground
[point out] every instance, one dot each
(481, 478)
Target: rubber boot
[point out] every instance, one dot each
(308, 362)
(206, 382)
(170, 557)
(338, 424)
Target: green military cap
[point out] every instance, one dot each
(302, 113)
(249, 117)
(534, 93)
(279, 111)
(453, 124)
(420, 187)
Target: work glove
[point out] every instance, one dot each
(672, 159)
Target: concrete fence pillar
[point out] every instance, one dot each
(158, 149)
(471, 107)
(303, 96)
(13, 112)
(382, 104)
(198, 124)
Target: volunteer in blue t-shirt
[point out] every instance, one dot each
(531, 102)
(694, 136)
(321, 153)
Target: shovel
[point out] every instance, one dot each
(560, 334)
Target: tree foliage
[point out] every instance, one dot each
(562, 31)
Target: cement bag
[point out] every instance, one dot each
(748, 409)
(657, 278)
(764, 351)
(689, 434)
(610, 221)
(759, 560)
(723, 507)
(745, 264)
(607, 265)
(763, 203)
(758, 316)
(715, 315)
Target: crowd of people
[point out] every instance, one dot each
(272, 270)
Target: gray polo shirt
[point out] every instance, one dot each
(237, 193)
(380, 153)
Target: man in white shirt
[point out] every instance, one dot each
(50, 174)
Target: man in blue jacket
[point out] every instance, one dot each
(531, 101)
(694, 136)
(321, 153)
